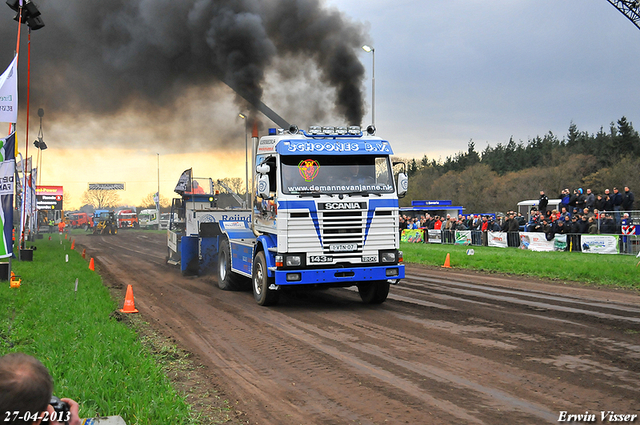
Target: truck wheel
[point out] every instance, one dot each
(261, 292)
(373, 292)
(227, 279)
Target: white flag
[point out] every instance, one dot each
(9, 93)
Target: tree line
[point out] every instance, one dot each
(499, 177)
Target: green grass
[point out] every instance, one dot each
(599, 269)
(93, 358)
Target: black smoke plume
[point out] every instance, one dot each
(102, 56)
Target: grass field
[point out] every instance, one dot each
(94, 358)
(599, 269)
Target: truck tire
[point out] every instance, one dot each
(373, 292)
(261, 281)
(227, 279)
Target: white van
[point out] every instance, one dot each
(524, 207)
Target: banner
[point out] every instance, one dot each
(9, 94)
(29, 204)
(7, 152)
(435, 236)
(184, 183)
(600, 244)
(560, 243)
(535, 241)
(497, 239)
(463, 237)
(412, 235)
(631, 230)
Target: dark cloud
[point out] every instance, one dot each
(101, 57)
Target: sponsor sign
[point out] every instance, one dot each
(463, 237)
(435, 236)
(560, 243)
(497, 239)
(334, 147)
(106, 186)
(49, 197)
(600, 244)
(535, 241)
(267, 146)
(412, 235)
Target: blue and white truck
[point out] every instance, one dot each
(324, 213)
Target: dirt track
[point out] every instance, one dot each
(446, 347)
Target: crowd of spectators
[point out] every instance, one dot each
(578, 213)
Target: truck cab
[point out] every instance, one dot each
(325, 215)
(149, 219)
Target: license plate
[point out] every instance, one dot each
(343, 247)
(320, 259)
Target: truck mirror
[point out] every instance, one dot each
(263, 186)
(263, 169)
(403, 184)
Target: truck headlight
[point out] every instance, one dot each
(388, 257)
(392, 272)
(293, 260)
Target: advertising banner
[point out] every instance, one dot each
(560, 243)
(49, 197)
(435, 236)
(498, 239)
(412, 235)
(7, 170)
(9, 93)
(600, 244)
(463, 237)
(535, 241)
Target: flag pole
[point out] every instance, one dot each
(26, 144)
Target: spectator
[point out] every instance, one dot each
(593, 226)
(599, 205)
(583, 224)
(617, 205)
(590, 200)
(565, 197)
(581, 199)
(627, 199)
(26, 387)
(607, 224)
(543, 202)
(608, 202)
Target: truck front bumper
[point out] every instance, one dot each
(344, 276)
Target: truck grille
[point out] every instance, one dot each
(342, 229)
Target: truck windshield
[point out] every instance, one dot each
(336, 174)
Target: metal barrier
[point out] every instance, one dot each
(626, 244)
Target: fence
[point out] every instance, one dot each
(534, 241)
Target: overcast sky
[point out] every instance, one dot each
(451, 71)
(446, 71)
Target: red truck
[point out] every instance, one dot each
(80, 220)
(127, 218)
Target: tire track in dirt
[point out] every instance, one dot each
(447, 346)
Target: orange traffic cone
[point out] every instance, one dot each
(447, 262)
(73, 244)
(84, 253)
(129, 305)
(15, 282)
(91, 266)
